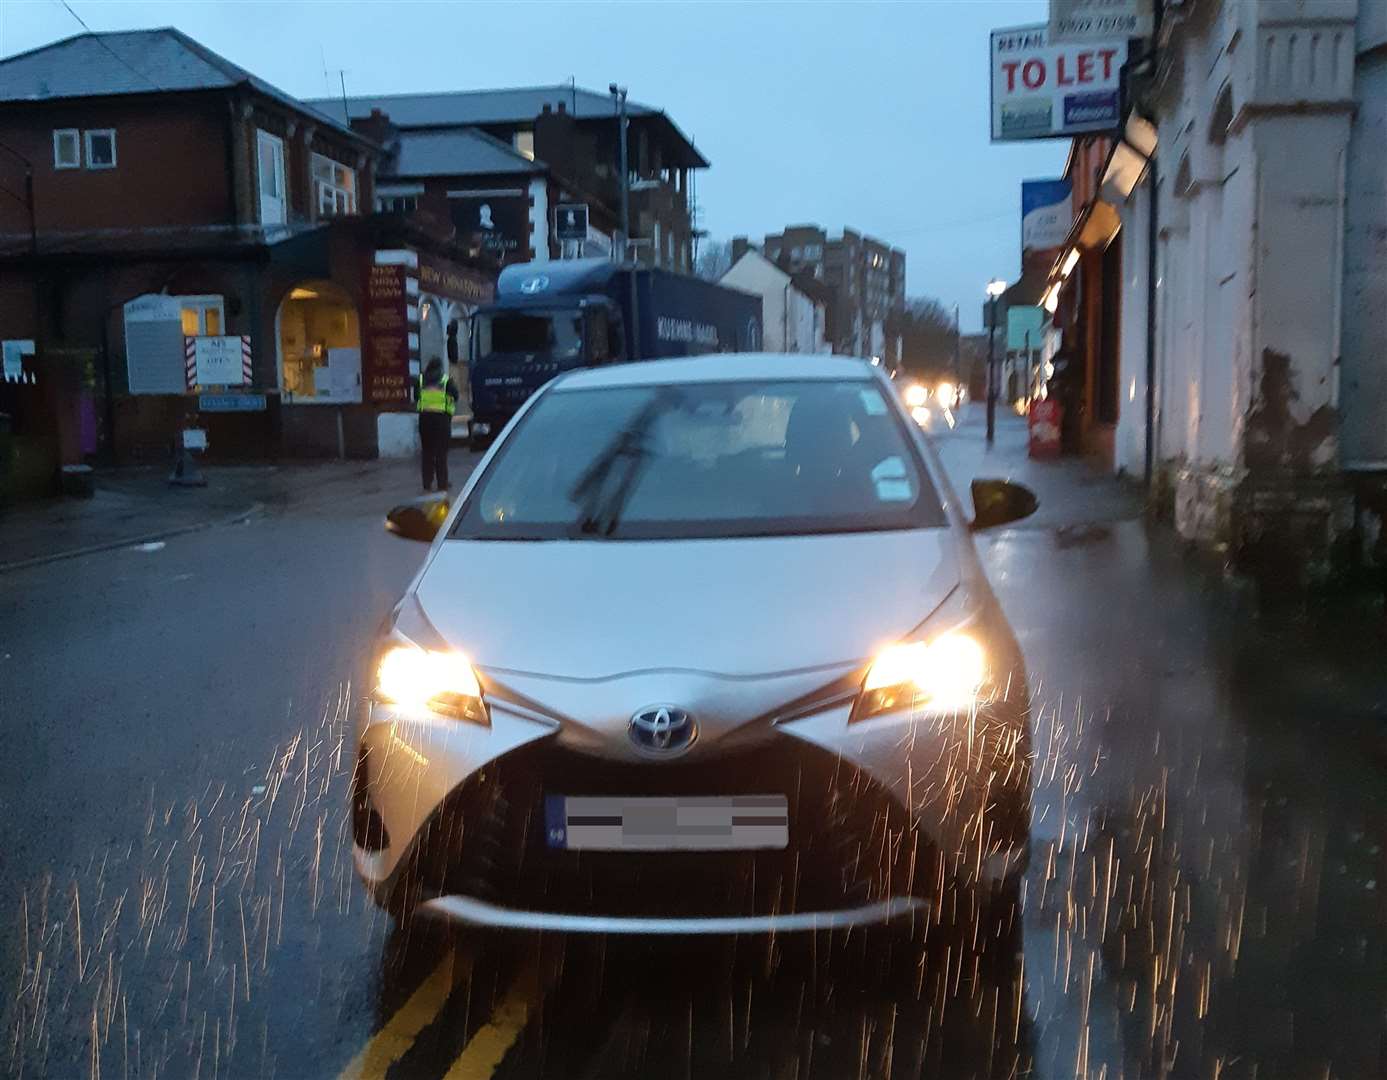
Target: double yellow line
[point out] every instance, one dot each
(483, 1053)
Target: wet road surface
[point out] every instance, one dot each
(1205, 895)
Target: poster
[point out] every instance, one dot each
(344, 381)
(12, 354)
(221, 360)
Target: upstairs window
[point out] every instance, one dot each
(101, 149)
(525, 144)
(335, 185)
(397, 204)
(67, 149)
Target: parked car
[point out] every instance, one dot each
(726, 663)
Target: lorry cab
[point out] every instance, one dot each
(547, 319)
(552, 317)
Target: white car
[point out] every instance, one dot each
(702, 647)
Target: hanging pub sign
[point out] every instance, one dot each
(1042, 90)
(500, 221)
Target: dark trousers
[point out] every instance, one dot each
(435, 432)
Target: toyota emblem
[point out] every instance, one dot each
(662, 729)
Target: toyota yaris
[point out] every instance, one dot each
(702, 646)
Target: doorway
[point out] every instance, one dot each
(319, 345)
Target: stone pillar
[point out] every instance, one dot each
(1289, 507)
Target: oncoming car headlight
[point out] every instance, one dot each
(943, 675)
(916, 395)
(442, 682)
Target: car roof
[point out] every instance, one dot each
(720, 367)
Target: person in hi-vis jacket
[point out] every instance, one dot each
(436, 399)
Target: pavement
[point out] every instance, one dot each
(138, 505)
(1205, 898)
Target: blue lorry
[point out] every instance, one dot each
(552, 317)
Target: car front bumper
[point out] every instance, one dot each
(882, 814)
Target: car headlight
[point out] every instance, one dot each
(439, 681)
(943, 675)
(916, 395)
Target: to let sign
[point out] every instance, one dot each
(1042, 90)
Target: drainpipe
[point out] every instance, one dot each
(785, 321)
(1152, 234)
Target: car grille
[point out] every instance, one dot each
(849, 843)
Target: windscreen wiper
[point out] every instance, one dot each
(600, 509)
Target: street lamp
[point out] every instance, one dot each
(623, 122)
(623, 126)
(995, 288)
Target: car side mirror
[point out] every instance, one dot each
(1000, 502)
(418, 520)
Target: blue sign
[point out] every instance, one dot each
(1046, 214)
(231, 402)
(1095, 108)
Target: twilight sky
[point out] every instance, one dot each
(870, 115)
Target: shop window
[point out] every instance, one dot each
(397, 204)
(335, 184)
(101, 149)
(67, 148)
(319, 345)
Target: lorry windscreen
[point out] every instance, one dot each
(556, 334)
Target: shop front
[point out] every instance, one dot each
(416, 308)
(350, 339)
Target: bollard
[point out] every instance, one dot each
(185, 469)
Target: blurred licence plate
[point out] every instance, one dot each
(624, 823)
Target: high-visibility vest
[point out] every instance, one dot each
(435, 398)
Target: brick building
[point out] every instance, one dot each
(497, 162)
(171, 195)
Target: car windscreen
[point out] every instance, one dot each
(704, 460)
(549, 333)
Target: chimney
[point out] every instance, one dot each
(740, 246)
(562, 108)
(376, 127)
